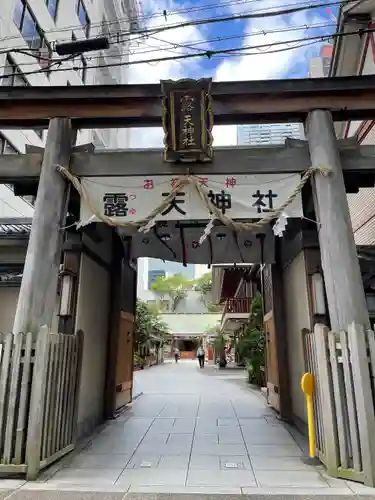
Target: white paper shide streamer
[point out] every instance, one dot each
(207, 231)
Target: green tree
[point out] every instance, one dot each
(175, 286)
(148, 323)
(204, 286)
(251, 345)
(204, 283)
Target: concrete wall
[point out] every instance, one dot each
(297, 317)
(92, 318)
(8, 305)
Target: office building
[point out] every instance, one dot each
(149, 269)
(34, 27)
(319, 66)
(153, 275)
(262, 134)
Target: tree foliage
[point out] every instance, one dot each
(175, 286)
(251, 346)
(204, 283)
(148, 323)
(204, 286)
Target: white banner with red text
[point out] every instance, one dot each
(129, 199)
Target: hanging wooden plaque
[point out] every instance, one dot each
(187, 120)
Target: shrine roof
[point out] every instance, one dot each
(190, 324)
(16, 227)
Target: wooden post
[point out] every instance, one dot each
(37, 407)
(324, 384)
(364, 399)
(342, 275)
(37, 297)
(278, 308)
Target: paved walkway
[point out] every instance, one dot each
(192, 431)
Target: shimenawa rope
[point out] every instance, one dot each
(202, 191)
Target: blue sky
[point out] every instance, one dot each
(298, 65)
(234, 34)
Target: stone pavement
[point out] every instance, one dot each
(192, 431)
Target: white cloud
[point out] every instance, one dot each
(261, 66)
(154, 72)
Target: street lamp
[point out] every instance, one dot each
(318, 295)
(66, 294)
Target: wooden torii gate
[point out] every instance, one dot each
(317, 103)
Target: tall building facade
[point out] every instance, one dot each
(319, 66)
(149, 269)
(34, 26)
(263, 134)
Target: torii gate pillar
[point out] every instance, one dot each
(342, 275)
(38, 292)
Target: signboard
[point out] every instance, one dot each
(129, 199)
(187, 120)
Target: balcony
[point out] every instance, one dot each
(236, 312)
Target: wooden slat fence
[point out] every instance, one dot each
(39, 381)
(344, 368)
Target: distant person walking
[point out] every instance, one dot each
(176, 354)
(200, 356)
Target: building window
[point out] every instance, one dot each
(83, 17)
(52, 6)
(27, 25)
(13, 76)
(32, 33)
(6, 148)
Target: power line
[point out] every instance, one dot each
(244, 35)
(143, 17)
(210, 54)
(204, 21)
(170, 46)
(264, 13)
(161, 14)
(267, 13)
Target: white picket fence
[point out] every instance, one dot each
(39, 380)
(344, 368)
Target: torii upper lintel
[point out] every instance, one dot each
(263, 101)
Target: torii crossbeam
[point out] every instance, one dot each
(347, 98)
